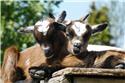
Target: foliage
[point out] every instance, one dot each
(99, 16)
(16, 14)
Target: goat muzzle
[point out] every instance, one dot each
(76, 50)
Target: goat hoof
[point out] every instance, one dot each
(37, 73)
(120, 66)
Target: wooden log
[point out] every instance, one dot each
(84, 73)
(91, 71)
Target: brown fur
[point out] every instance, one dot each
(117, 57)
(9, 64)
(19, 62)
(94, 59)
(32, 56)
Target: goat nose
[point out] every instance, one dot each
(46, 50)
(78, 45)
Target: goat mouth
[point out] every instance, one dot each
(49, 55)
(76, 50)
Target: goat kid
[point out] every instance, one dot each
(78, 33)
(51, 42)
(53, 46)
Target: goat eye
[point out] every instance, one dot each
(69, 35)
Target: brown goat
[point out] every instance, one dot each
(78, 55)
(18, 63)
(78, 33)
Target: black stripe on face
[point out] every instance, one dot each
(70, 33)
(87, 35)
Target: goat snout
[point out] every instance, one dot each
(46, 49)
(77, 45)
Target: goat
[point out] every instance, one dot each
(18, 63)
(78, 33)
(79, 56)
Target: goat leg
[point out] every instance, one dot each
(43, 72)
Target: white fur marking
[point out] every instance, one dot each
(27, 62)
(77, 41)
(46, 48)
(79, 28)
(43, 26)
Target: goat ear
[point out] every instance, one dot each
(99, 27)
(28, 29)
(62, 17)
(59, 26)
(51, 16)
(84, 18)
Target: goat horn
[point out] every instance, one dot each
(83, 19)
(61, 17)
(51, 16)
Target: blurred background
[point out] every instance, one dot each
(20, 13)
